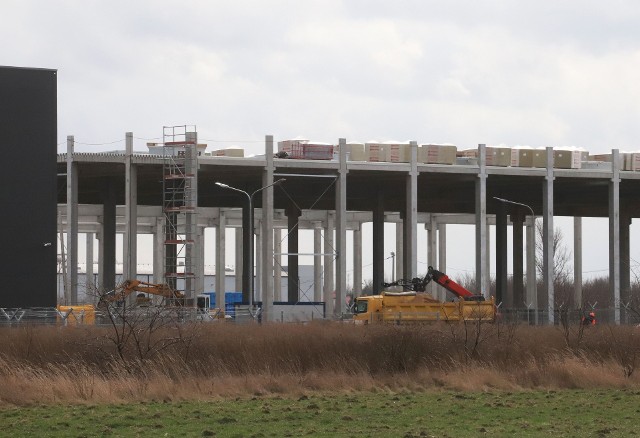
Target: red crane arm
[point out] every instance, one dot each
(443, 280)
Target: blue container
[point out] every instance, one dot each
(230, 299)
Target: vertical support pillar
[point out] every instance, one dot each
(329, 251)
(239, 260)
(158, 252)
(317, 262)
(199, 260)
(71, 288)
(108, 242)
(293, 280)
(532, 296)
(547, 298)
(482, 272)
(267, 234)
(442, 247)
(501, 255)
(90, 284)
(129, 247)
(357, 261)
(517, 222)
(614, 233)
(258, 289)
(341, 230)
(577, 262)
(247, 257)
(277, 266)
(399, 253)
(432, 256)
(410, 226)
(221, 244)
(378, 242)
(625, 261)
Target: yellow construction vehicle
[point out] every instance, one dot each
(172, 297)
(415, 305)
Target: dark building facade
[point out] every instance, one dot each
(28, 136)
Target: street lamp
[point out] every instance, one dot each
(506, 201)
(248, 233)
(533, 219)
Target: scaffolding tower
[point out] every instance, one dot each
(180, 202)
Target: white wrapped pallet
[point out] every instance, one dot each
(229, 152)
(356, 152)
(631, 161)
(437, 153)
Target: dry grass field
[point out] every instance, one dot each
(102, 365)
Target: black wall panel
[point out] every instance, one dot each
(28, 133)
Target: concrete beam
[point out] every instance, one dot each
(546, 300)
(614, 233)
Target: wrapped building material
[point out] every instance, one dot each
(522, 156)
(376, 152)
(437, 153)
(399, 152)
(356, 152)
(567, 158)
(229, 152)
(305, 150)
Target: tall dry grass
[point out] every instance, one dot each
(80, 364)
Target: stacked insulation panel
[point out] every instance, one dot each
(229, 152)
(437, 153)
(376, 152)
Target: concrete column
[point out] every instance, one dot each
(547, 298)
(357, 261)
(267, 234)
(432, 257)
(399, 252)
(130, 246)
(239, 260)
(247, 256)
(442, 247)
(625, 259)
(410, 226)
(577, 262)
(199, 260)
(277, 267)
(329, 252)
(378, 242)
(517, 221)
(100, 238)
(501, 255)
(108, 242)
(221, 249)
(90, 285)
(614, 232)
(341, 230)
(482, 271)
(71, 288)
(532, 296)
(259, 266)
(158, 251)
(293, 280)
(317, 262)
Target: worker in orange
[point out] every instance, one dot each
(590, 319)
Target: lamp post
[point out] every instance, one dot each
(506, 201)
(529, 274)
(248, 233)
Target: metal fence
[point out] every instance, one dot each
(54, 316)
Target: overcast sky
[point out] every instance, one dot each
(543, 73)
